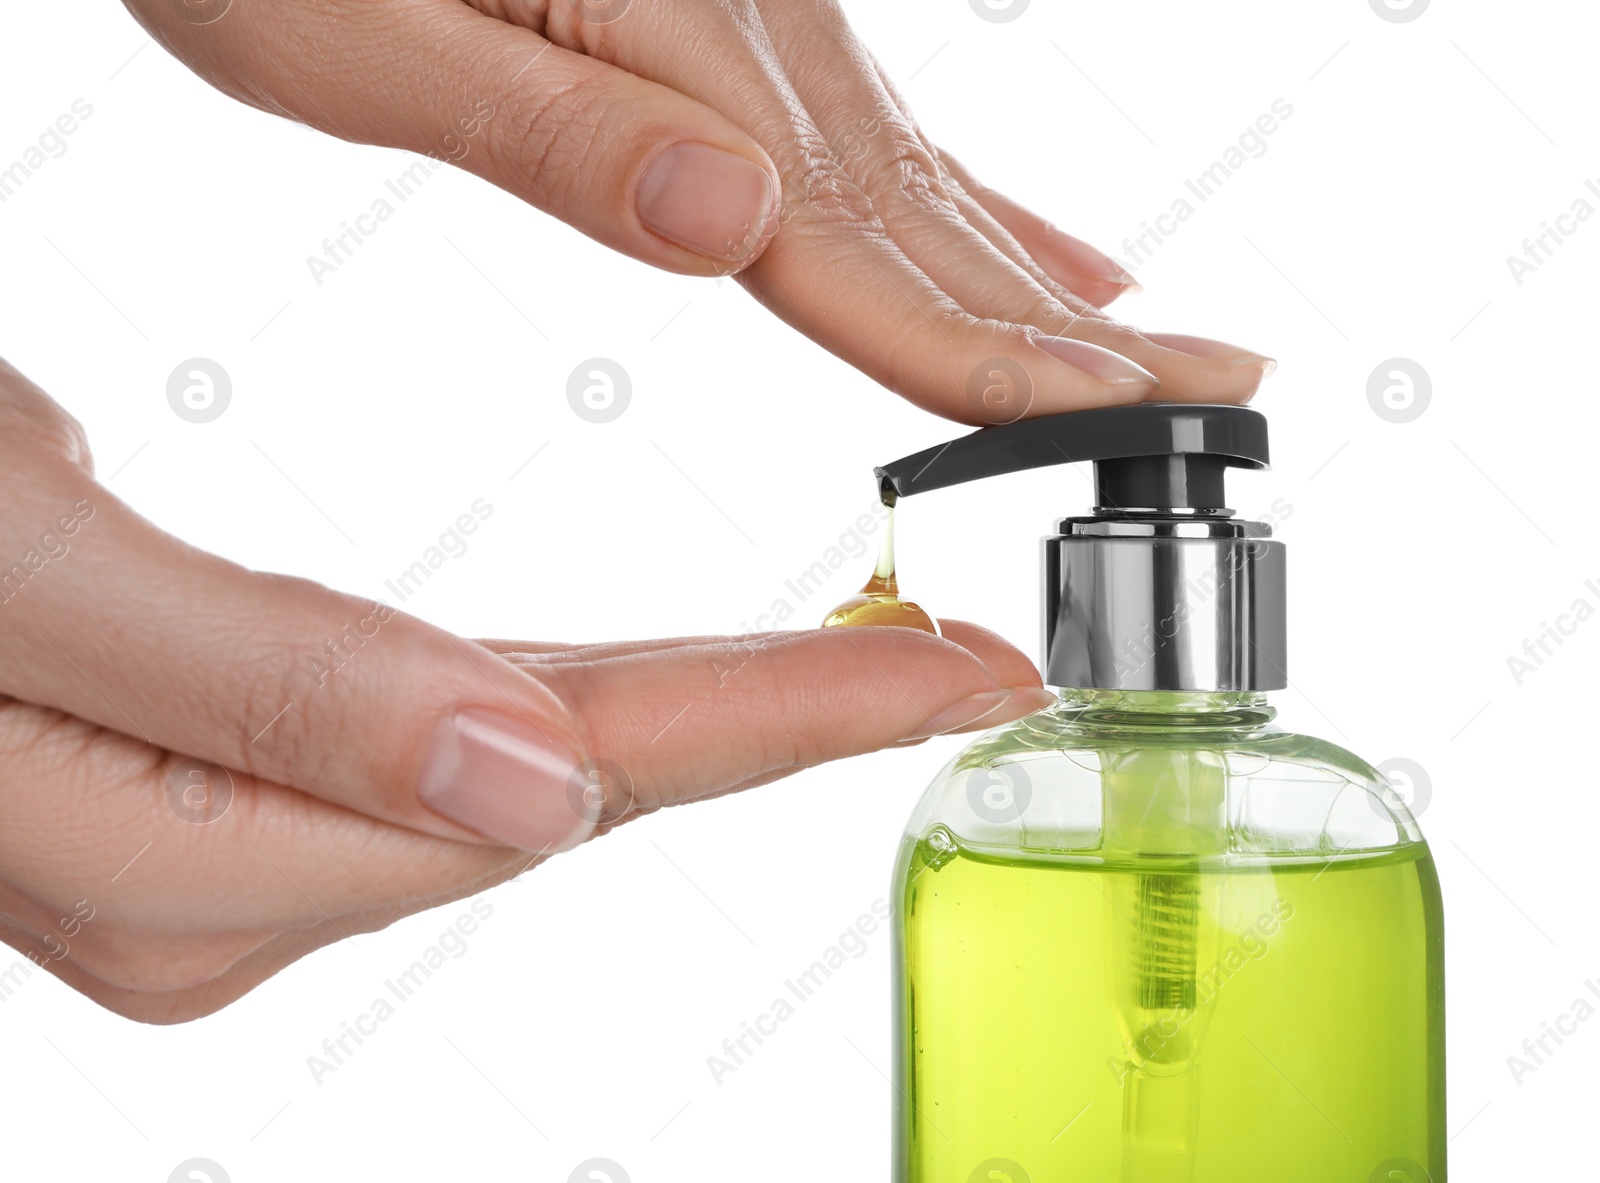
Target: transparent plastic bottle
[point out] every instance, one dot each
(1148, 937)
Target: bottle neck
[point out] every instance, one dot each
(1169, 711)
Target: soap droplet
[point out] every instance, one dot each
(875, 607)
(879, 601)
(938, 847)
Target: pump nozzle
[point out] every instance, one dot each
(1150, 456)
(1159, 587)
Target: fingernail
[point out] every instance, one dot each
(989, 709)
(706, 200)
(1214, 350)
(1066, 259)
(504, 779)
(1096, 361)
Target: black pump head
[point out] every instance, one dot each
(1162, 588)
(1149, 456)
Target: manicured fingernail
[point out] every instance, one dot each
(706, 200)
(1096, 361)
(1067, 259)
(1214, 350)
(989, 709)
(504, 779)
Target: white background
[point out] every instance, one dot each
(1376, 225)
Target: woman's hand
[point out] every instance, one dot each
(207, 773)
(714, 136)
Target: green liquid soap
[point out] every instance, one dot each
(879, 601)
(1159, 1003)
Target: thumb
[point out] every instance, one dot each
(629, 162)
(636, 165)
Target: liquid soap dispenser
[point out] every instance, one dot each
(1144, 935)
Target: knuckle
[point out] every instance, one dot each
(34, 426)
(276, 742)
(1039, 307)
(820, 186)
(551, 132)
(916, 179)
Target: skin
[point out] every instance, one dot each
(131, 655)
(878, 245)
(126, 653)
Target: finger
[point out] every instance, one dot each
(689, 722)
(1064, 262)
(179, 905)
(833, 271)
(1191, 369)
(200, 862)
(1007, 662)
(875, 143)
(636, 165)
(859, 117)
(111, 885)
(1095, 293)
(1073, 263)
(1003, 659)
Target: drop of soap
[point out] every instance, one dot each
(879, 601)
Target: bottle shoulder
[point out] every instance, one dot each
(1238, 790)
